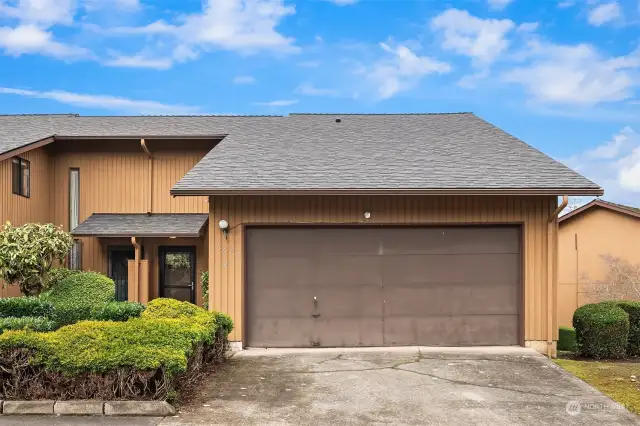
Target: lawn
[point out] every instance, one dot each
(612, 378)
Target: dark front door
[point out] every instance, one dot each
(436, 286)
(178, 273)
(119, 269)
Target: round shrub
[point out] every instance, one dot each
(27, 323)
(76, 297)
(632, 308)
(602, 330)
(56, 275)
(171, 308)
(117, 311)
(24, 307)
(567, 339)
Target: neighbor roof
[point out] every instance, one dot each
(448, 153)
(620, 208)
(141, 225)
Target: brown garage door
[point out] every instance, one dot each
(376, 286)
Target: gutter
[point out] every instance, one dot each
(552, 268)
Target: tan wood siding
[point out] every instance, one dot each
(226, 256)
(20, 210)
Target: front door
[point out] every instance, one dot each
(178, 273)
(119, 269)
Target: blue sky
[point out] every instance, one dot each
(562, 75)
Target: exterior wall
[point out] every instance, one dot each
(20, 210)
(226, 256)
(582, 240)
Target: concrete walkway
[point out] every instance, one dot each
(400, 386)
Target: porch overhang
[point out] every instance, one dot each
(113, 225)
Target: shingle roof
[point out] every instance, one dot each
(620, 208)
(451, 152)
(142, 225)
(383, 152)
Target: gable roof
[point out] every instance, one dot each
(620, 208)
(449, 153)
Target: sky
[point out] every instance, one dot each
(562, 75)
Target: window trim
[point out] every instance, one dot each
(71, 170)
(21, 186)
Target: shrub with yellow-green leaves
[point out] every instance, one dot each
(140, 358)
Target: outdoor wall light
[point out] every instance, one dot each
(367, 215)
(224, 226)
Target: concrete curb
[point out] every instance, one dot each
(87, 408)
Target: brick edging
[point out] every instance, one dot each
(87, 408)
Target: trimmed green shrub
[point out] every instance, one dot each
(632, 308)
(204, 277)
(117, 311)
(602, 330)
(145, 357)
(567, 339)
(24, 307)
(58, 274)
(27, 323)
(76, 297)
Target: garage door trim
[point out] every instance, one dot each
(267, 225)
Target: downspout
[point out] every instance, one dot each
(551, 269)
(136, 288)
(143, 144)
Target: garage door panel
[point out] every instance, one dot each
(346, 241)
(273, 242)
(281, 332)
(348, 332)
(470, 269)
(476, 330)
(340, 302)
(447, 299)
(281, 272)
(346, 271)
(282, 302)
(450, 240)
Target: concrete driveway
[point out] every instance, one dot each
(410, 386)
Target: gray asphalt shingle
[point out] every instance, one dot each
(314, 152)
(142, 225)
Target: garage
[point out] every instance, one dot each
(383, 286)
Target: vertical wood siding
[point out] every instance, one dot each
(20, 210)
(226, 256)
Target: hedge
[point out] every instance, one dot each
(117, 311)
(567, 339)
(602, 330)
(632, 308)
(77, 296)
(17, 307)
(143, 358)
(27, 323)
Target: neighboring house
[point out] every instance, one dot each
(341, 230)
(585, 235)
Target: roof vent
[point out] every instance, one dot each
(338, 120)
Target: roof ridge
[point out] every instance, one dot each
(382, 113)
(181, 115)
(70, 114)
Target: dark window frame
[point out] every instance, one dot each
(18, 186)
(71, 170)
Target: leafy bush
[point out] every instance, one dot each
(77, 297)
(59, 274)
(567, 339)
(632, 308)
(25, 307)
(144, 357)
(602, 330)
(27, 323)
(28, 252)
(117, 311)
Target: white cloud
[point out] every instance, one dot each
(499, 4)
(566, 4)
(575, 74)
(106, 102)
(139, 61)
(243, 79)
(481, 39)
(402, 71)
(604, 13)
(343, 2)
(119, 4)
(614, 165)
(42, 12)
(30, 39)
(311, 90)
(278, 103)
(528, 27)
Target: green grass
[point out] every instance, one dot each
(613, 378)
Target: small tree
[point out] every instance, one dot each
(622, 281)
(28, 252)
